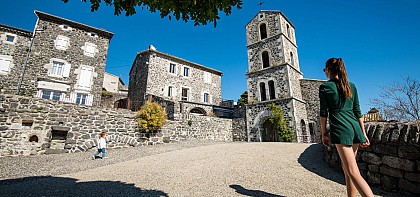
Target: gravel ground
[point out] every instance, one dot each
(51, 165)
(208, 169)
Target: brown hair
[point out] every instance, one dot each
(336, 68)
(103, 133)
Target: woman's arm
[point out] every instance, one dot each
(325, 137)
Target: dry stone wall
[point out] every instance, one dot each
(37, 126)
(393, 159)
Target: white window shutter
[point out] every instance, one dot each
(39, 94)
(73, 97)
(85, 77)
(4, 65)
(174, 93)
(89, 100)
(66, 72)
(63, 97)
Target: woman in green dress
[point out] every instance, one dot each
(339, 102)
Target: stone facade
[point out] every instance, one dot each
(172, 78)
(114, 92)
(66, 61)
(37, 126)
(310, 94)
(273, 75)
(392, 159)
(14, 46)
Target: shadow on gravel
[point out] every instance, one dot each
(312, 159)
(257, 193)
(62, 186)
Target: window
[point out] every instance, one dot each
(57, 68)
(5, 65)
(51, 95)
(186, 71)
(184, 95)
(170, 91)
(172, 68)
(90, 49)
(265, 59)
(271, 90)
(262, 92)
(81, 98)
(206, 97)
(85, 77)
(263, 31)
(207, 77)
(10, 38)
(292, 60)
(288, 30)
(62, 42)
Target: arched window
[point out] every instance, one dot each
(265, 59)
(288, 30)
(271, 90)
(262, 92)
(292, 59)
(263, 31)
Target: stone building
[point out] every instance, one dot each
(193, 88)
(114, 92)
(274, 77)
(66, 61)
(14, 44)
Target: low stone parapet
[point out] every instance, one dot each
(392, 161)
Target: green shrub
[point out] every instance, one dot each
(151, 117)
(280, 124)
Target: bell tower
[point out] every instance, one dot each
(273, 73)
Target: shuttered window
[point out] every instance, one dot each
(62, 42)
(85, 77)
(5, 65)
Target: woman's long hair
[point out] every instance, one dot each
(336, 67)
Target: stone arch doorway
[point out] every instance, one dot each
(268, 132)
(198, 111)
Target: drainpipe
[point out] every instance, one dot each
(27, 57)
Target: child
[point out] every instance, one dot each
(101, 146)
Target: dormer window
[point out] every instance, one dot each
(263, 31)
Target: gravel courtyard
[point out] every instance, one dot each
(189, 168)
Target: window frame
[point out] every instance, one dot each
(51, 72)
(81, 100)
(188, 69)
(52, 94)
(170, 68)
(185, 98)
(206, 99)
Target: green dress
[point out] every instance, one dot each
(343, 114)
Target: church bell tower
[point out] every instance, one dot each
(273, 75)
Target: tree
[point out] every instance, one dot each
(280, 124)
(151, 117)
(244, 99)
(199, 11)
(399, 101)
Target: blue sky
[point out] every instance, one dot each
(378, 39)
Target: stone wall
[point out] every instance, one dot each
(36, 126)
(239, 130)
(310, 94)
(199, 127)
(393, 159)
(15, 51)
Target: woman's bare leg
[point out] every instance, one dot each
(351, 171)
